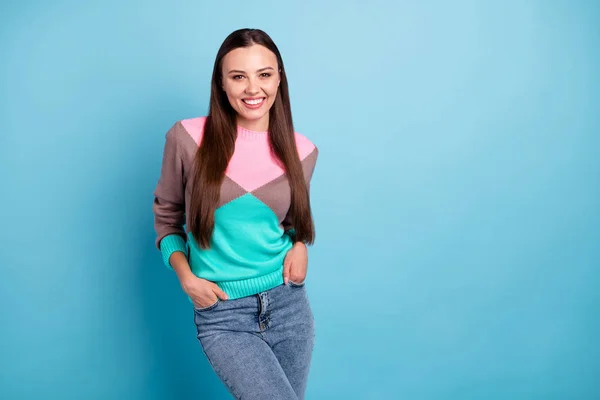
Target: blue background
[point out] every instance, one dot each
(456, 197)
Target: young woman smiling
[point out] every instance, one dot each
(233, 218)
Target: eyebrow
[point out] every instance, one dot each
(243, 72)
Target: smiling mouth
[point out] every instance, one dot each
(254, 102)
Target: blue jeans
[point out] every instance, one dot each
(260, 346)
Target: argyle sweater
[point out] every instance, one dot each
(252, 229)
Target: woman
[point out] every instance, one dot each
(239, 181)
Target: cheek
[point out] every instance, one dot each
(233, 95)
(232, 90)
(272, 89)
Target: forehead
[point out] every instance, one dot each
(249, 58)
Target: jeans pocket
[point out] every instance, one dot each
(297, 285)
(208, 308)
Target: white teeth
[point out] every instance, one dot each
(253, 102)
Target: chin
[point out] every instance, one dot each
(253, 114)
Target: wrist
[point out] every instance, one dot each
(186, 281)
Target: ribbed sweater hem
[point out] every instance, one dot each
(248, 287)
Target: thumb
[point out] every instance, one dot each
(286, 271)
(220, 294)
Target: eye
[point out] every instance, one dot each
(265, 74)
(237, 77)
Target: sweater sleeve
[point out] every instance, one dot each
(169, 200)
(308, 167)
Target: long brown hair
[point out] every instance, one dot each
(218, 144)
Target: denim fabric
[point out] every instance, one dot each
(260, 346)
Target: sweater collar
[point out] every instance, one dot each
(247, 134)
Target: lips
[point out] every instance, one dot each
(254, 103)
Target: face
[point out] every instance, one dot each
(251, 80)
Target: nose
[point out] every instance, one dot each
(252, 88)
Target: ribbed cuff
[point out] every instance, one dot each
(170, 244)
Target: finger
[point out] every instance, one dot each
(198, 304)
(220, 294)
(287, 265)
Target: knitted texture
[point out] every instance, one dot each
(252, 232)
